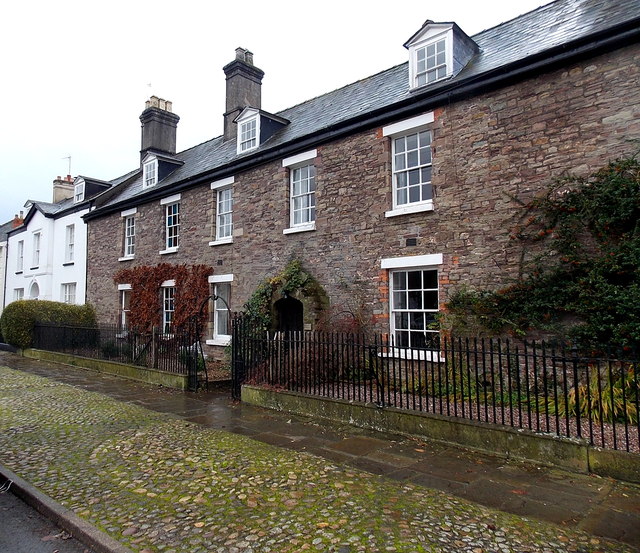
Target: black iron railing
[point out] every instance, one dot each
(530, 385)
(177, 353)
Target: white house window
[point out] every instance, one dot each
(172, 227)
(125, 304)
(69, 243)
(18, 294)
(303, 195)
(431, 62)
(224, 214)
(129, 236)
(149, 173)
(220, 317)
(168, 308)
(78, 191)
(248, 135)
(68, 294)
(414, 305)
(36, 249)
(412, 169)
(20, 258)
(221, 320)
(302, 191)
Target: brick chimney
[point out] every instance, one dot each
(159, 126)
(62, 188)
(17, 220)
(244, 82)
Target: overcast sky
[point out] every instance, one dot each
(75, 74)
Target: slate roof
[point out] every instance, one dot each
(554, 28)
(4, 230)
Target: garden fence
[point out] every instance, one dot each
(531, 385)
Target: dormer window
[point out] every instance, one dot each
(149, 173)
(438, 51)
(78, 191)
(431, 62)
(248, 135)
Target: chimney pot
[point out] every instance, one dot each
(159, 125)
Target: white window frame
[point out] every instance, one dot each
(428, 262)
(293, 163)
(124, 291)
(403, 129)
(217, 307)
(168, 305)
(171, 223)
(78, 191)
(128, 240)
(248, 134)
(20, 257)
(219, 187)
(149, 173)
(68, 292)
(18, 294)
(69, 234)
(433, 35)
(37, 243)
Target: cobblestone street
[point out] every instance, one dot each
(159, 483)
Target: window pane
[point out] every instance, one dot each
(431, 300)
(402, 339)
(399, 300)
(401, 196)
(400, 162)
(430, 279)
(412, 141)
(415, 299)
(414, 177)
(399, 145)
(400, 280)
(402, 320)
(414, 280)
(427, 192)
(414, 194)
(412, 158)
(416, 320)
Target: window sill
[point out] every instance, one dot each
(300, 228)
(68, 264)
(405, 210)
(414, 354)
(34, 268)
(168, 250)
(221, 241)
(219, 341)
(18, 272)
(127, 258)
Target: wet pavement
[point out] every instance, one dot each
(598, 506)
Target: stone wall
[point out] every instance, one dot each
(487, 151)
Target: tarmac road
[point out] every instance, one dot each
(24, 530)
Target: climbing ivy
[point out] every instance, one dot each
(583, 283)
(291, 279)
(192, 288)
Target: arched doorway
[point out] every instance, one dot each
(290, 314)
(34, 291)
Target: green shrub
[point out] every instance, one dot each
(18, 318)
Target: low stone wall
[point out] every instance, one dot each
(132, 372)
(571, 454)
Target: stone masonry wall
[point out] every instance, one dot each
(487, 151)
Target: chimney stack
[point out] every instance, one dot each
(158, 127)
(17, 220)
(62, 188)
(244, 82)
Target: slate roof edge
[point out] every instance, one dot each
(603, 41)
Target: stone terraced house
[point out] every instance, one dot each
(391, 191)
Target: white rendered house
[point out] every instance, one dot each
(46, 255)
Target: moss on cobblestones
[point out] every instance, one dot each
(159, 484)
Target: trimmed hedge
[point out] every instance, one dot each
(18, 318)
